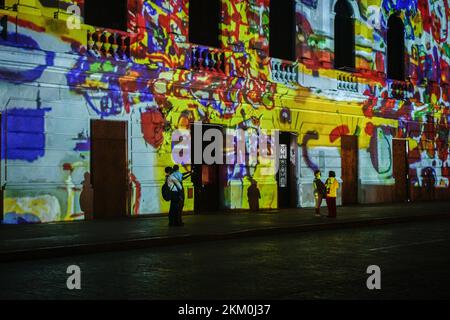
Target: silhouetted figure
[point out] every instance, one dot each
(320, 191)
(253, 195)
(175, 197)
(428, 182)
(180, 177)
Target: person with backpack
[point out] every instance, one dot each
(180, 177)
(320, 191)
(332, 186)
(171, 191)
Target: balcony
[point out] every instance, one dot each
(284, 72)
(109, 44)
(400, 89)
(347, 82)
(207, 59)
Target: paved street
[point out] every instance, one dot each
(414, 260)
(59, 239)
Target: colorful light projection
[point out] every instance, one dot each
(165, 85)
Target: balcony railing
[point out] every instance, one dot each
(109, 44)
(400, 89)
(207, 59)
(284, 72)
(347, 83)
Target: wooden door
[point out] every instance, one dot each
(400, 170)
(109, 170)
(349, 161)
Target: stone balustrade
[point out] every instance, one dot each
(400, 89)
(109, 45)
(347, 82)
(284, 72)
(207, 59)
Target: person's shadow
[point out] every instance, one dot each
(87, 197)
(253, 195)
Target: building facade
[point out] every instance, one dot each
(91, 93)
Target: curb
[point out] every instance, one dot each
(142, 243)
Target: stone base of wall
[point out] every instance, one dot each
(424, 194)
(306, 196)
(376, 194)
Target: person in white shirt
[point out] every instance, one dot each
(180, 177)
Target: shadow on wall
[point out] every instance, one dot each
(87, 197)
(253, 195)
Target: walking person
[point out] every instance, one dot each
(180, 177)
(320, 191)
(174, 188)
(332, 186)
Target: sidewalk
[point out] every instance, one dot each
(25, 242)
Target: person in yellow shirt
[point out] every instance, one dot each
(332, 186)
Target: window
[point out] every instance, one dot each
(396, 48)
(110, 14)
(204, 21)
(2, 4)
(344, 36)
(282, 29)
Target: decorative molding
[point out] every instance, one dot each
(284, 72)
(109, 44)
(347, 82)
(207, 59)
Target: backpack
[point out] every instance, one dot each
(321, 187)
(165, 190)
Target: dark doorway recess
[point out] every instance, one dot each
(282, 29)
(204, 22)
(110, 14)
(344, 36)
(1, 169)
(400, 170)
(287, 169)
(109, 169)
(349, 162)
(207, 178)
